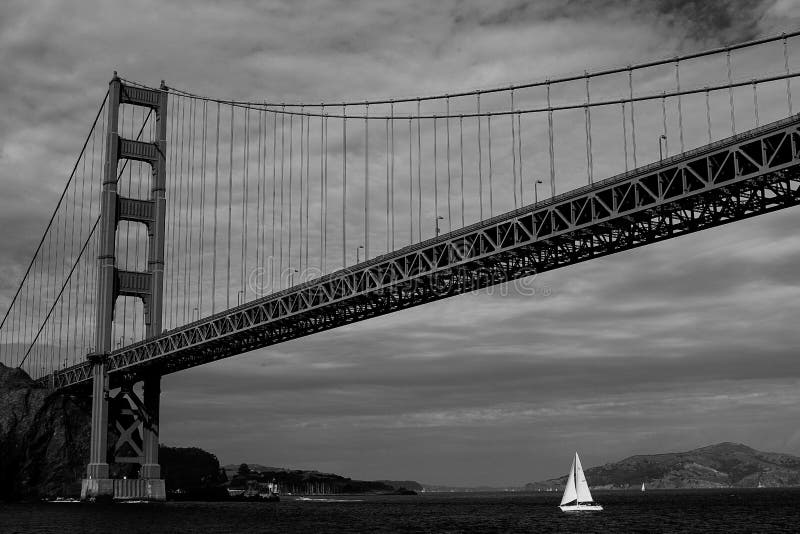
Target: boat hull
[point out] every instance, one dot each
(581, 508)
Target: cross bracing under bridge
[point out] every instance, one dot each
(745, 175)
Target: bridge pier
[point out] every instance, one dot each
(98, 484)
(152, 393)
(136, 420)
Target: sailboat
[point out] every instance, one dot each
(577, 497)
(642, 486)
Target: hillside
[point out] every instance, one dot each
(43, 439)
(714, 466)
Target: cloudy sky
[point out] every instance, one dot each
(673, 346)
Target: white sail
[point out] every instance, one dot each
(581, 486)
(570, 494)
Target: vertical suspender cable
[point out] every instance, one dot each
(230, 212)
(624, 136)
(190, 217)
(480, 160)
(88, 262)
(435, 181)
(179, 214)
(519, 156)
(68, 280)
(136, 246)
(245, 200)
(680, 108)
(56, 354)
(117, 249)
(289, 264)
(280, 231)
(461, 156)
(550, 136)
(267, 257)
(410, 187)
(388, 220)
(344, 186)
(419, 173)
(103, 140)
(366, 181)
(391, 196)
(259, 209)
(69, 289)
(664, 117)
(588, 120)
(169, 264)
(321, 186)
(272, 270)
(633, 116)
(449, 210)
(300, 211)
(216, 210)
(61, 300)
(513, 151)
(308, 180)
(788, 80)
(264, 269)
(179, 292)
(38, 357)
(491, 175)
(325, 206)
(201, 254)
(24, 304)
(730, 94)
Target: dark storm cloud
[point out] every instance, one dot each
(697, 20)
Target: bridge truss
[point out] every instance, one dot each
(745, 175)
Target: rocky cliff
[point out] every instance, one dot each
(716, 466)
(44, 438)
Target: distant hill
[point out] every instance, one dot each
(300, 481)
(716, 466)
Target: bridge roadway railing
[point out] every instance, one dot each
(748, 174)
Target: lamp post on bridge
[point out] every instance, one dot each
(291, 276)
(358, 250)
(536, 191)
(436, 224)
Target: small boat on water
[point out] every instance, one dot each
(577, 497)
(642, 486)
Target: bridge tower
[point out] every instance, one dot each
(139, 417)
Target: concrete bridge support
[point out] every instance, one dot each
(138, 442)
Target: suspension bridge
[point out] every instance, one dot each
(194, 228)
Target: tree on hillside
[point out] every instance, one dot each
(188, 467)
(244, 470)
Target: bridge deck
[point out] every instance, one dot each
(749, 174)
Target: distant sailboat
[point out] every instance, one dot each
(577, 496)
(642, 486)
